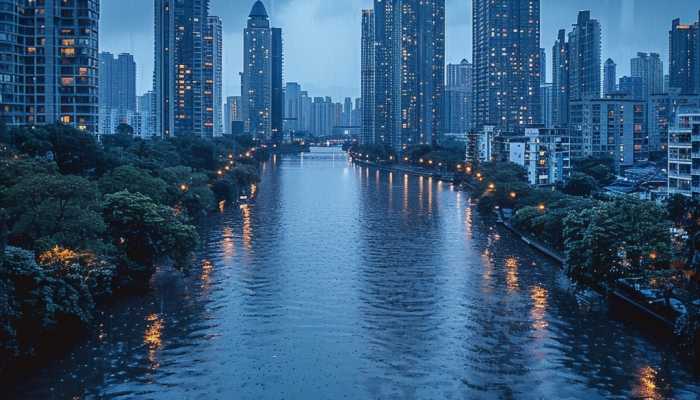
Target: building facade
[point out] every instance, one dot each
(544, 153)
(506, 56)
(49, 63)
(682, 177)
(663, 111)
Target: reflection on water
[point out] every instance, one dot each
(346, 282)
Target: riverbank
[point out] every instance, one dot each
(85, 223)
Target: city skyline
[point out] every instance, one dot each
(628, 27)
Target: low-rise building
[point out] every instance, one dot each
(544, 153)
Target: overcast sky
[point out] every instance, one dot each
(322, 37)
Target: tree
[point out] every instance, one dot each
(124, 130)
(135, 180)
(75, 151)
(147, 232)
(580, 184)
(49, 210)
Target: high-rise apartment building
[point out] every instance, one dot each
(458, 99)
(684, 56)
(179, 73)
(585, 58)
(560, 80)
(409, 71)
(368, 73)
(276, 122)
(232, 112)
(506, 56)
(49, 63)
(117, 91)
(213, 77)
(650, 68)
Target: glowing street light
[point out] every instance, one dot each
(541, 207)
(513, 195)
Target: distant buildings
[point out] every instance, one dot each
(650, 69)
(684, 57)
(560, 80)
(184, 86)
(233, 116)
(458, 100)
(145, 121)
(506, 56)
(49, 63)
(409, 65)
(632, 87)
(609, 77)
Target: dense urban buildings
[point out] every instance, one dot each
(684, 56)
(49, 63)
(506, 57)
(181, 72)
(409, 68)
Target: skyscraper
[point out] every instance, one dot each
(560, 80)
(410, 71)
(277, 85)
(49, 63)
(650, 68)
(213, 77)
(367, 73)
(609, 77)
(179, 73)
(684, 57)
(632, 87)
(506, 55)
(261, 80)
(585, 58)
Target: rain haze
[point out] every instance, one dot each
(322, 37)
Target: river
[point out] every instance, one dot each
(344, 282)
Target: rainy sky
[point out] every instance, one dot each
(322, 37)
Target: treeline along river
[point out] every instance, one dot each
(345, 282)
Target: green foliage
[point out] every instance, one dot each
(124, 130)
(618, 238)
(39, 304)
(75, 151)
(49, 210)
(146, 231)
(580, 184)
(600, 169)
(14, 170)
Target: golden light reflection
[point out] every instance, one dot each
(207, 268)
(152, 338)
(512, 277)
(405, 192)
(648, 383)
(227, 244)
(222, 206)
(468, 221)
(487, 262)
(247, 228)
(538, 295)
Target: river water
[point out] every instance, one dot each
(345, 282)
